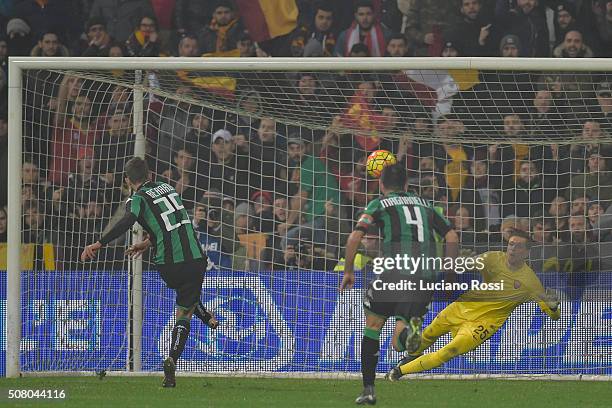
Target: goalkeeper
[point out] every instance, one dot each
(178, 254)
(478, 314)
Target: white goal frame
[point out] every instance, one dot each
(18, 64)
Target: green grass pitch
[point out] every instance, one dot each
(234, 392)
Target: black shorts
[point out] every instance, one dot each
(403, 304)
(186, 279)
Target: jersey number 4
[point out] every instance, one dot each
(171, 207)
(418, 221)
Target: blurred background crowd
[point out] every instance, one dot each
(270, 195)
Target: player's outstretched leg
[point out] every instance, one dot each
(461, 344)
(370, 346)
(438, 327)
(180, 333)
(206, 316)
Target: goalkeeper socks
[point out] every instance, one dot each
(370, 345)
(180, 332)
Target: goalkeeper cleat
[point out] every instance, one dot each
(169, 373)
(394, 374)
(413, 338)
(367, 396)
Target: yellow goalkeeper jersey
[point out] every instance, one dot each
(519, 286)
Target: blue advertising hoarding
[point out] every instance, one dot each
(284, 321)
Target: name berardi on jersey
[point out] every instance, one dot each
(159, 190)
(403, 200)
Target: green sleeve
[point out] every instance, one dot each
(135, 205)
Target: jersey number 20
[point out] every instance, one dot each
(171, 206)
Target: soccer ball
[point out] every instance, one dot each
(377, 160)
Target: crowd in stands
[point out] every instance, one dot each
(268, 195)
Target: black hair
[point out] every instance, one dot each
(325, 6)
(363, 3)
(398, 36)
(394, 177)
(360, 47)
(521, 234)
(137, 170)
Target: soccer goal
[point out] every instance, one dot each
(269, 158)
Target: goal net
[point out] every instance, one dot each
(269, 159)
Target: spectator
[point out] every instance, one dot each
(3, 159)
(245, 46)
(603, 27)
(116, 50)
(363, 30)
(183, 177)
(3, 225)
(544, 119)
(573, 46)
(19, 39)
(188, 46)
(602, 112)
(449, 50)
(49, 46)
(510, 46)
(474, 35)
(359, 50)
(243, 218)
(223, 32)
(425, 22)
(72, 132)
(174, 124)
(578, 229)
(190, 15)
(597, 183)
(144, 41)
(397, 46)
(310, 99)
(296, 150)
(526, 199)
(542, 231)
(116, 146)
(48, 16)
(215, 231)
(268, 158)
(594, 212)
(527, 21)
(33, 228)
(580, 205)
(479, 198)
(317, 39)
(4, 53)
(565, 20)
(262, 211)
(121, 16)
(82, 183)
(317, 187)
(98, 41)
(228, 172)
(199, 135)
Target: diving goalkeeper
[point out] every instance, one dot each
(478, 314)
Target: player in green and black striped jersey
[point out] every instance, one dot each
(408, 224)
(181, 262)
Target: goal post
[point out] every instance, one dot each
(288, 320)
